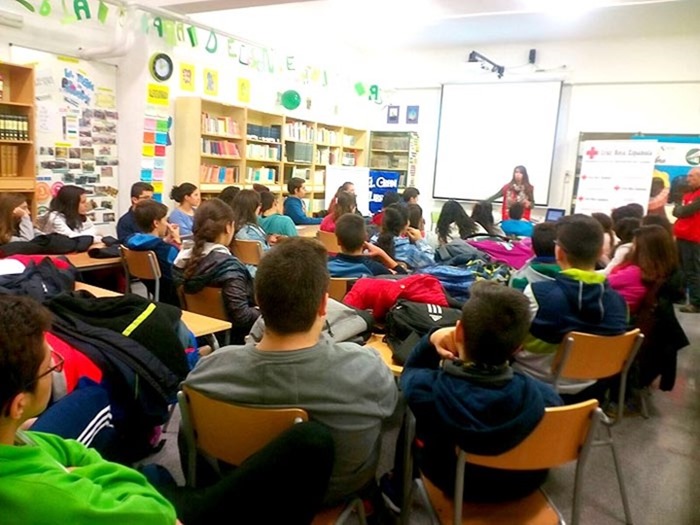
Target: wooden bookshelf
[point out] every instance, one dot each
(272, 148)
(395, 151)
(17, 129)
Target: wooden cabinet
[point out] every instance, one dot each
(17, 155)
(218, 145)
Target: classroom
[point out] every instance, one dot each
(156, 157)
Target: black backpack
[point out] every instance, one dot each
(408, 321)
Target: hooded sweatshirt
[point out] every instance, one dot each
(538, 269)
(483, 409)
(576, 300)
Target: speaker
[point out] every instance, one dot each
(532, 56)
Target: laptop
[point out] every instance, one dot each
(554, 214)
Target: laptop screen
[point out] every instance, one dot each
(554, 214)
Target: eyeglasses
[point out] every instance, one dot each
(58, 362)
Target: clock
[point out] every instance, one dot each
(161, 66)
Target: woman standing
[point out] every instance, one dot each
(187, 197)
(518, 189)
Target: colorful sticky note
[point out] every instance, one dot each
(243, 90)
(158, 94)
(149, 137)
(149, 124)
(147, 175)
(162, 126)
(148, 150)
(158, 174)
(147, 163)
(160, 151)
(158, 197)
(159, 164)
(186, 77)
(161, 138)
(158, 187)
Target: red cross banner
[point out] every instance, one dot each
(615, 173)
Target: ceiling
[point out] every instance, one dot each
(361, 26)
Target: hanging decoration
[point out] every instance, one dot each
(360, 89)
(26, 5)
(212, 43)
(169, 33)
(81, 8)
(180, 31)
(158, 24)
(374, 94)
(291, 99)
(45, 8)
(192, 34)
(102, 12)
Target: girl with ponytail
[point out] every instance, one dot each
(208, 262)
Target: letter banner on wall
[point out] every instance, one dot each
(381, 182)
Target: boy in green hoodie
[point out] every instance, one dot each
(543, 266)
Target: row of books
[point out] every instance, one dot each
(391, 143)
(327, 136)
(9, 163)
(389, 161)
(266, 133)
(299, 152)
(326, 156)
(220, 147)
(299, 131)
(14, 127)
(262, 175)
(349, 158)
(219, 125)
(263, 151)
(218, 174)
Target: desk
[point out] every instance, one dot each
(83, 262)
(385, 352)
(308, 230)
(199, 325)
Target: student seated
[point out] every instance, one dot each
(246, 206)
(543, 266)
(475, 399)
(348, 187)
(294, 206)
(410, 195)
(68, 214)
(140, 191)
(452, 224)
(389, 198)
(482, 214)
(160, 237)
(188, 198)
(208, 262)
(401, 242)
(228, 194)
(15, 219)
(271, 217)
(517, 226)
(415, 218)
(609, 238)
(357, 256)
(345, 203)
(46, 479)
(344, 386)
(578, 299)
(624, 230)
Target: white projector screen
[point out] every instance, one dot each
(486, 130)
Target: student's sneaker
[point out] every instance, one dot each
(690, 309)
(389, 493)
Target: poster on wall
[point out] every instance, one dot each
(381, 182)
(615, 173)
(336, 176)
(76, 130)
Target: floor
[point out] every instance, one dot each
(660, 457)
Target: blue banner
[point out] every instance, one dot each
(381, 182)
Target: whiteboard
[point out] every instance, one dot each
(337, 175)
(486, 130)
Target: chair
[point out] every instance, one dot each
(142, 265)
(339, 286)
(208, 301)
(329, 240)
(231, 433)
(585, 356)
(247, 251)
(563, 435)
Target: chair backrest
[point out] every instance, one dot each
(208, 301)
(586, 356)
(143, 265)
(558, 438)
(339, 286)
(247, 251)
(329, 240)
(231, 432)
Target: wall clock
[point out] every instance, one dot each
(161, 67)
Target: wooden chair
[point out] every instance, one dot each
(339, 286)
(248, 252)
(142, 265)
(208, 301)
(232, 433)
(329, 240)
(585, 356)
(563, 435)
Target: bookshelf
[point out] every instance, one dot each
(269, 149)
(17, 159)
(395, 151)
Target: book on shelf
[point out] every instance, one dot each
(349, 158)
(220, 147)
(327, 136)
(220, 125)
(391, 143)
(262, 175)
(299, 152)
(263, 151)
(266, 133)
(319, 177)
(211, 173)
(9, 163)
(299, 131)
(14, 127)
(303, 173)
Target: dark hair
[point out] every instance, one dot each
(210, 221)
(495, 321)
(516, 211)
(178, 193)
(260, 188)
(543, 236)
(393, 223)
(23, 322)
(605, 221)
(228, 193)
(290, 283)
(415, 215)
(659, 220)
(525, 179)
(345, 186)
(267, 200)
(67, 202)
(410, 193)
(628, 210)
(294, 184)
(8, 221)
(351, 232)
(452, 212)
(145, 212)
(482, 213)
(657, 186)
(389, 198)
(245, 205)
(581, 238)
(346, 203)
(625, 228)
(654, 252)
(137, 188)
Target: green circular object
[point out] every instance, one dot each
(291, 99)
(161, 67)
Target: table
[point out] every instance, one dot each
(385, 352)
(83, 262)
(199, 325)
(308, 230)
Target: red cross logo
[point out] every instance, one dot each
(592, 153)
